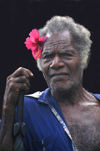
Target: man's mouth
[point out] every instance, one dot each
(59, 75)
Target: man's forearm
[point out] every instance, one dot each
(6, 133)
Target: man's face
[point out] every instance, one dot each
(61, 63)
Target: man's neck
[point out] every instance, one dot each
(71, 97)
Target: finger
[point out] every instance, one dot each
(16, 88)
(22, 71)
(12, 92)
(21, 79)
(23, 87)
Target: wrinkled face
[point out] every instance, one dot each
(61, 63)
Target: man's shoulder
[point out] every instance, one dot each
(32, 98)
(31, 103)
(35, 95)
(34, 105)
(39, 96)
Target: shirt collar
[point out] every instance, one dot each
(46, 97)
(97, 96)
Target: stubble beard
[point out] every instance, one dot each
(61, 94)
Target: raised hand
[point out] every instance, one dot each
(16, 82)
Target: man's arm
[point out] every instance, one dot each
(17, 82)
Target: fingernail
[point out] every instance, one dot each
(32, 74)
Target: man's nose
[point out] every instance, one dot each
(57, 62)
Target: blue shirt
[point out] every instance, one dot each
(43, 130)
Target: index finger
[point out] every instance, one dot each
(22, 71)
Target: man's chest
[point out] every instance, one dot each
(84, 126)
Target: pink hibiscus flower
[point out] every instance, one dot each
(35, 43)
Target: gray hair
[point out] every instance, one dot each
(80, 34)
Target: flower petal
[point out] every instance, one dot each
(37, 54)
(42, 39)
(34, 35)
(28, 43)
(34, 49)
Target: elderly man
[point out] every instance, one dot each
(64, 117)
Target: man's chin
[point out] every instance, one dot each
(61, 87)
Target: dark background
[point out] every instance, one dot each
(19, 17)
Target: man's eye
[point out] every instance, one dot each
(49, 56)
(66, 54)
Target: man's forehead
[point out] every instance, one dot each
(57, 36)
(59, 40)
